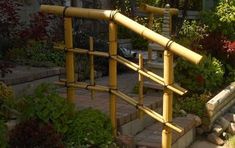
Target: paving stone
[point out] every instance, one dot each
(231, 128)
(213, 138)
(230, 117)
(223, 122)
(217, 129)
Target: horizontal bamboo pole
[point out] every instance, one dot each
(84, 51)
(78, 12)
(84, 86)
(146, 110)
(128, 23)
(177, 89)
(156, 10)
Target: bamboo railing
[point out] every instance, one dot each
(115, 18)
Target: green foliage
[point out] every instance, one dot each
(37, 54)
(222, 19)
(5, 92)
(191, 33)
(3, 134)
(90, 128)
(226, 11)
(32, 133)
(194, 104)
(206, 76)
(47, 106)
(6, 98)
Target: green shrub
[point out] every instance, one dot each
(90, 128)
(6, 101)
(222, 19)
(33, 133)
(3, 134)
(194, 104)
(191, 33)
(206, 76)
(47, 106)
(37, 54)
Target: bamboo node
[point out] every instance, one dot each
(64, 11)
(113, 13)
(168, 44)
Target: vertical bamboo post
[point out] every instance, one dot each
(113, 73)
(150, 26)
(141, 84)
(167, 98)
(92, 69)
(69, 58)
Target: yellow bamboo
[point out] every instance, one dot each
(150, 26)
(167, 99)
(84, 51)
(78, 12)
(92, 69)
(85, 86)
(157, 38)
(156, 10)
(141, 84)
(113, 73)
(174, 87)
(128, 23)
(69, 58)
(146, 110)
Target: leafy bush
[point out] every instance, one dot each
(9, 24)
(222, 19)
(33, 133)
(46, 105)
(3, 134)
(191, 33)
(90, 128)
(194, 104)
(6, 97)
(206, 76)
(37, 54)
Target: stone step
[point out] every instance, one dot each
(151, 136)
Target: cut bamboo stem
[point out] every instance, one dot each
(84, 86)
(167, 99)
(84, 51)
(141, 85)
(113, 73)
(69, 58)
(128, 23)
(92, 69)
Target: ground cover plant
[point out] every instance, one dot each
(46, 119)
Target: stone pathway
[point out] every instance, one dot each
(125, 112)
